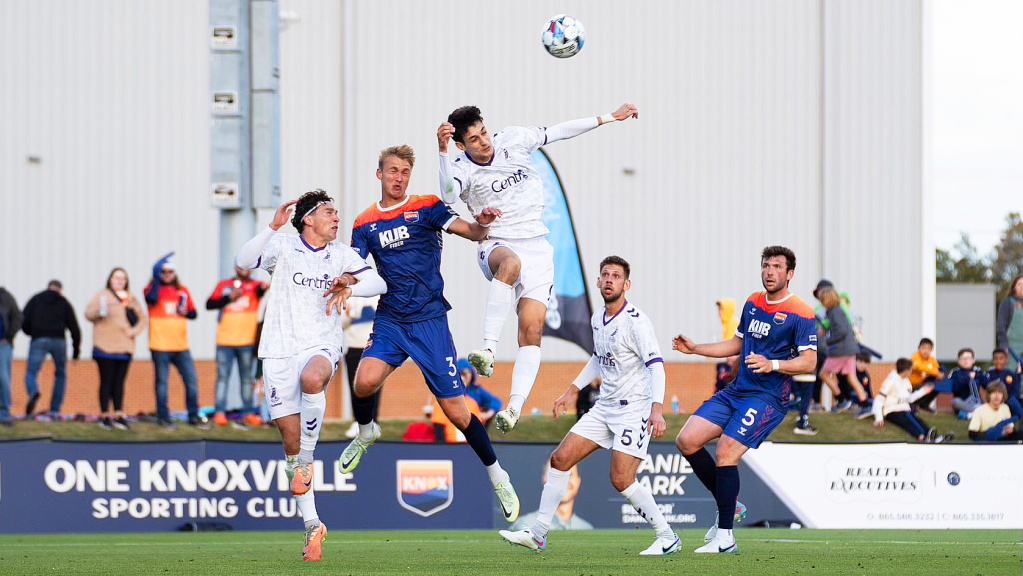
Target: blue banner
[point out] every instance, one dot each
(569, 312)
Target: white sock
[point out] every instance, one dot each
(643, 501)
(366, 431)
(725, 534)
(527, 365)
(553, 492)
(311, 407)
(307, 508)
(499, 302)
(496, 473)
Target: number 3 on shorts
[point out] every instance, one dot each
(451, 364)
(750, 416)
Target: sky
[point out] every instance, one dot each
(977, 65)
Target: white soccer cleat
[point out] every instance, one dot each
(719, 545)
(508, 499)
(740, 515)
(356, 448)
(663, 546)
(506, 419)
(482, 361)
(525, 539)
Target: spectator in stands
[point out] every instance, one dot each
(420, 430)
(842, 347)
(802, 386)
(170, 307)
(863, 377)
(237, 299)
(586, 398)
(10, 323)
(443, 429)
(967, 384)
(726, 369)
(117, 318)
(925, 371)
(992, 421)
(893, 400)
(1011, 380)
(1009, 323)
(358, 324)
(487, 402)
(47, 316)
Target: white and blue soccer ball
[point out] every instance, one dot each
(564, 36)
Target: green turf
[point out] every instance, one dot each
(833, 427)
(483, 553)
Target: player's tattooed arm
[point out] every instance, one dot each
(722, 349)
(478, 230)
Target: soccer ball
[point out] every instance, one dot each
(563, 36)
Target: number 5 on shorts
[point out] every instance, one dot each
(750, 416)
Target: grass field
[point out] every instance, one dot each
(833, 428)
(478, 553)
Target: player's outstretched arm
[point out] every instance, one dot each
(573, 128)
(805, 363)
(722, 349)
(478, 230)
(367, 283)
(448, 191)
(248, 256)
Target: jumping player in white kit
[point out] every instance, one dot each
(627, 414)
(301, 340)
(516, 258)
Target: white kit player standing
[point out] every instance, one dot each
(627, 414)
(302, 341)
(516, 258)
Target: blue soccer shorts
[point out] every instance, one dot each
(743, 416)
(427, 342)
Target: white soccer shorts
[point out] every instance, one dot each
(622, 428)
(536, 276)
(282, 379)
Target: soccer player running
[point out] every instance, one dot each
(301, 341)
(627, 413)
(403, 233)
(777, 339)
(516, 258)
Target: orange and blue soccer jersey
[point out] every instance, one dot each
(405, 241)
(776, 331)
(168, 331)
(236, 325)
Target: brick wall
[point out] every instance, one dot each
(404, 393)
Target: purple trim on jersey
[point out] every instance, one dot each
(544, 136)
(460, 185)
(359, 271)
(259, 261)
(310, 247)
(488, 161)
(611, 319)
(654, 361)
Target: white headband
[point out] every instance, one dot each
(313, 209)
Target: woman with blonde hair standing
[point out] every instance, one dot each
(842, 347)
(117, 317)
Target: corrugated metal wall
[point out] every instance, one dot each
(726, 157)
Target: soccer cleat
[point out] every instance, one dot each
(356, 448)
(662, 547)
(314, 536)
(506, 419)
(508, 499)
(482, 361)
(302, 479)
(719, 545)
(740, 512)
(220, 419)
(524, 538)
(739, 516)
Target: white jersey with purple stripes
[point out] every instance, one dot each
(508, 182)
(296, 311)
(625, 346)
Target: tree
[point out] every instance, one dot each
(969, 267)
(1007, 262)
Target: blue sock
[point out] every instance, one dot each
(727, 494)
(477, 437)
(703, 466)
(805, 395)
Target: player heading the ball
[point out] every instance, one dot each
(518, 261)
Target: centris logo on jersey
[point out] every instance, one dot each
(501, 185)
(606, 360)
(394, 237)
(425, 487)
(758, 328)
(318, 282)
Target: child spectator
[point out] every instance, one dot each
(892, 404)
(586, 398)
(925, 371)
(863, 377)
(802, 385)
(1011, 380)
(992, 421)
(967, 385)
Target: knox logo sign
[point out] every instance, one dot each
(425, 487)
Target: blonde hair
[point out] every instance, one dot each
(404, 152)
(829, 298)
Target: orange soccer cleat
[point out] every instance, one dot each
(313, 538)
(302, 481)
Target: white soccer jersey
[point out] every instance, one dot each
(509, 182)
(296, 313)
(625, 345)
